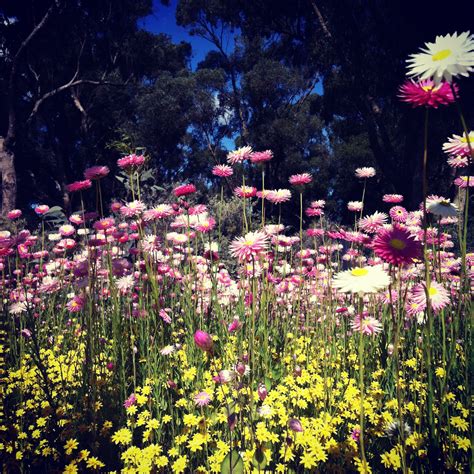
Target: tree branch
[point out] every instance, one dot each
(71, 83)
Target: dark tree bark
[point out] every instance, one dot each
(7, 169)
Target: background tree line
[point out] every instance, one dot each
(314, 80)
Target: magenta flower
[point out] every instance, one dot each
(41, 209)
(130, 401)
(131, 162)
(426, 93)
(96, 172)
(203, 340)
(398, 213)
(184, 190)
(222, 171)
(396, 245)
(78, 186)
(14, 214)
(261, 156)
(300, 179)
(392, 198)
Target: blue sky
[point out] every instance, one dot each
(163, 21)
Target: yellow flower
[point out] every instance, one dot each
(459, 423)
(94, 463)
(122, 436)
(440, 372)
(71, 468)
(179, 465)
(71, 445)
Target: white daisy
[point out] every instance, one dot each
(442, 207)
(449, 56)
(362, 280)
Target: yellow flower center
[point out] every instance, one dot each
(443, 54)
(397, 244)
(248, 243)
(359, 272)
(432, 291)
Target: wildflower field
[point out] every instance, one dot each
(138, 337)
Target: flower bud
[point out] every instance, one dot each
(262, 392)
(203, 340)
(295, 425)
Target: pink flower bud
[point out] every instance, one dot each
(14, 214)
(295, 425)
(203, 340)
(262, 392)
(42, 209)
(240, 368)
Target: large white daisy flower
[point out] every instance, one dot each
(361, 280)
(449, 56)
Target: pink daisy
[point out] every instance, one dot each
(158, 212)
(457, 145)
(250, 245)
(373, 222)
(78, 186)
(464, 181)
(314, 212)
(438, 295)
(458, 161)
(67, 230)
(278, 196)
(104, 224)
(261, 156)
(76, 304)
(132, 209)
(426, 93)
(396, 245)
(222, 171)
(392, 198)
(184, 190)
(319, 203)
(245, 191)
(366, 324)
(300, 179)
(365, 172)
(398, 213)
(96, 172)
(202, 399)
(240, 155)
(131, 162)
(264, 193)
(355, 206)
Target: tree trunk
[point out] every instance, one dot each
(7, 170)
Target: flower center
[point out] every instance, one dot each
(358, 272)
(397, 244)
(440, 55)
(432, 291)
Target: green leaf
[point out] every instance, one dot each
(232, 463)
(259, 460)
